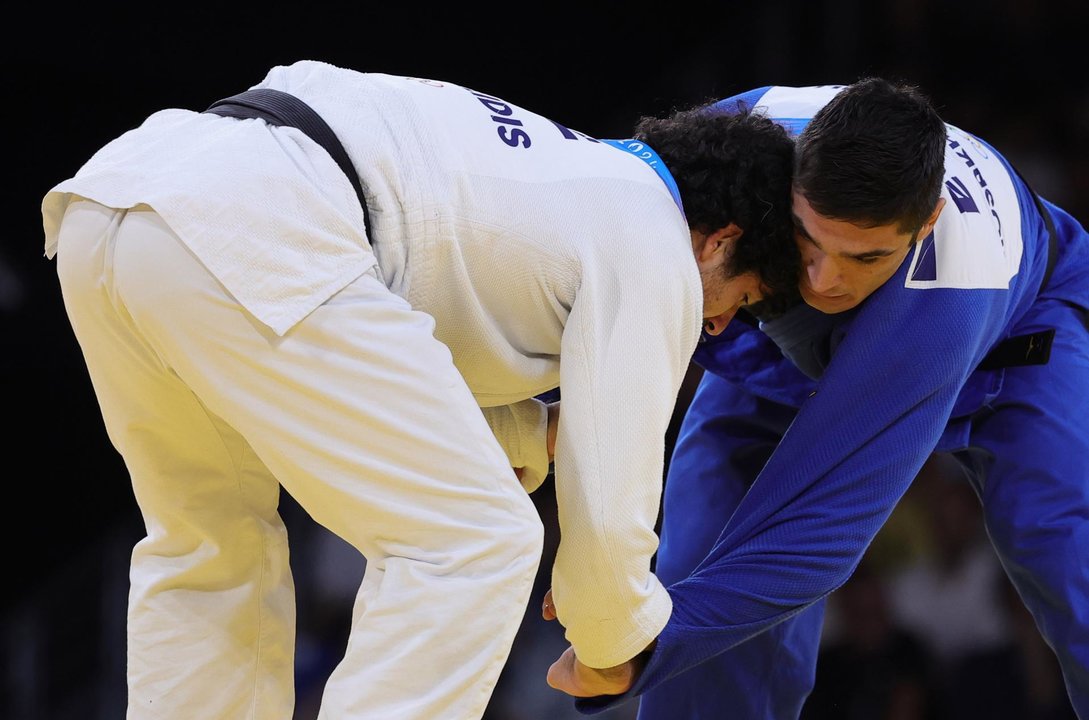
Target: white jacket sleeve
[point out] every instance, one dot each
(522, 431)
(625, 350)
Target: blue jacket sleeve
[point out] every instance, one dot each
(745, 356)
(843, 464)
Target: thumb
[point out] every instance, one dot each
(561, 673)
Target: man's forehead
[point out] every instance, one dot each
(841, 237)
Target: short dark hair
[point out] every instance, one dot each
(874, 155)
(735, 168)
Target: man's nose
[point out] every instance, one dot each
(822, 272)
(715, 325)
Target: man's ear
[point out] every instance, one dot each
(933, 219)
(719, 242)
(927, 227)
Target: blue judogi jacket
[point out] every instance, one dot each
(885, 384)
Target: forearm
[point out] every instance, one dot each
(842, 466)
(624, 358)
(606, 596)
(609, 467)
(791, 543)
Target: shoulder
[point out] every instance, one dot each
(790, 106)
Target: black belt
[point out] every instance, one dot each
(283, 109)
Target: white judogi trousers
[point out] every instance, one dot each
(361, 415)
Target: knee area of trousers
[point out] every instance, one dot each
(523, 536)
(511, 550)
(532, 531)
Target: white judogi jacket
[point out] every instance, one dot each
(546, 258)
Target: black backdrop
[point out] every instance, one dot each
(1011, 71)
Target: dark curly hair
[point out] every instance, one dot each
(735, 168)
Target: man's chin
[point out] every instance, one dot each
(826, 304)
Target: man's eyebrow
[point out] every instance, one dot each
(880, 252)
(869, 254)
(800, 227)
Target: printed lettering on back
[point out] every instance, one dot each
(509, 128)
(977, 240)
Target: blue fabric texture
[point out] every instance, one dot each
(784, 471)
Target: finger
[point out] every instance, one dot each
(562, 677)
(548, 609)
(590, 681)
(555, 677)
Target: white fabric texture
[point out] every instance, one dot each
(523, 243)
(352, 411)
(525, 427)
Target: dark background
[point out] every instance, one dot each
(1011, 71)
